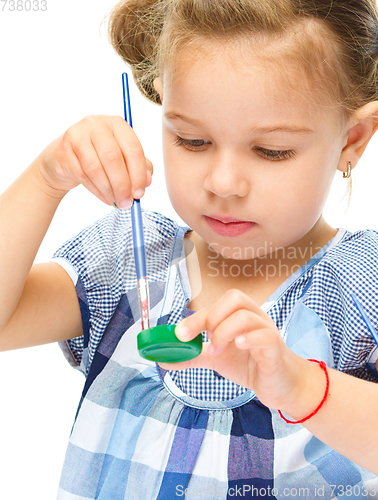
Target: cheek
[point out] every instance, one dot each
(311, 180)
(182, 170)
(298, 195)
(180, 184)
(178, 175)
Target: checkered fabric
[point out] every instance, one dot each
(145, 433)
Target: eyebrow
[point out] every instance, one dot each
(292, 129)
(177, 116)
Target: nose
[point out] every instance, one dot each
(226, 176)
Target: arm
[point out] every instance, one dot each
(348, 420)
(39, 304)
(26, 210)
(247, 348)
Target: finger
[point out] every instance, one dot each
(261, 338)
(232, 301)
(113, 162)
(190, 327)
(133, 154)
(265, 346)
(209, 318)
(71, 166)
(238, 324)
(92, 169)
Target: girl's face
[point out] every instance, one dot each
(249, 161)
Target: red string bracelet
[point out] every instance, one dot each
(323, 366)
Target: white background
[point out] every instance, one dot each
(56, 68)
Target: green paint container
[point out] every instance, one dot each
(161, 345)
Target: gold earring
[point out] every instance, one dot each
(347, 174)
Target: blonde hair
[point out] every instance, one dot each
(338, 40)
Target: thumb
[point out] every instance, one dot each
(191, 326)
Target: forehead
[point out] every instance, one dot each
(242, 78)
(304, 56)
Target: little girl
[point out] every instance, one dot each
(263, 102)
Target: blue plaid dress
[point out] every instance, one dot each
(143, 433)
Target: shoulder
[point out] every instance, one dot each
(355, 246)
(349, 266)
(120, 221)
(102, 254)
(355, 257)
(110, 233)
(160, 224)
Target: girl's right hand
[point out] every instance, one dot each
(104, 154)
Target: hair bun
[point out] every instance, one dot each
(134, 30)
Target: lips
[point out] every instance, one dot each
(228, 226)
(225, 220)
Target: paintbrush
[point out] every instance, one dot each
(137, 227)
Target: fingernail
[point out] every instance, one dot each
(240, 340)
(182, 331)
(211, 349)
(139, 193)
(126, 204)
(209, 334)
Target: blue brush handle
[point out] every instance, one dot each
(126, 99)
(136, 211)
(138, 239)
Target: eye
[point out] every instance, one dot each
(275, 155)
(191, 144)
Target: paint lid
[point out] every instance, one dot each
(161, 345)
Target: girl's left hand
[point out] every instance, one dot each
(246, 347)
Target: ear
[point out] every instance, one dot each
(158, 85)
(362, 126)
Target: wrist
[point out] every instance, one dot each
(311, 391)
(43, 182)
